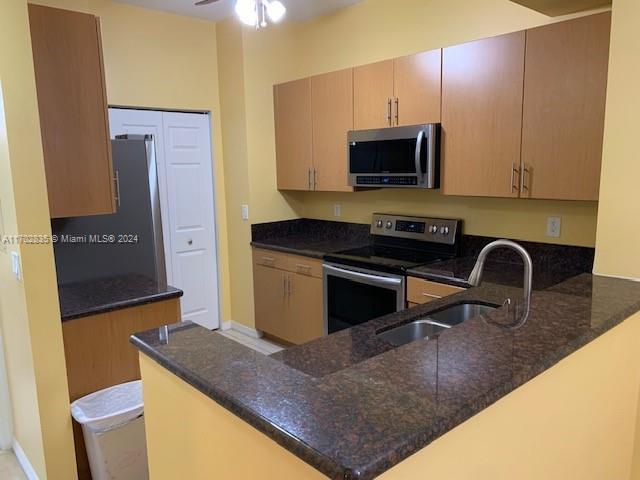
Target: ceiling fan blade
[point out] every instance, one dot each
(205, 2)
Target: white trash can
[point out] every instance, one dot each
(113, 428)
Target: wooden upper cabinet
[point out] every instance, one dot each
(564, 105)
(292, 109)
(70, 84)
(482, 91)
(332, 111)
(372, 95)
(417, 88)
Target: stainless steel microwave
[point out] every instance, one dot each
(400, 157)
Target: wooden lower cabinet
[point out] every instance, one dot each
(288, 300)
(421, 291)
(98, 354)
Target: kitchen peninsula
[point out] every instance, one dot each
(350, 405)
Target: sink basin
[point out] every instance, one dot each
(460, 313)
(411, 332)
(435, 323)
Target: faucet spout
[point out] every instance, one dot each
(475, 279)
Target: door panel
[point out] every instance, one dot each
(305, 319)
(372, 90)
(417, 86)
(294, 156)
(564, 103)
(191, 215)
(332, 107)
(270, 300)
(482, 93)
(67, 56)
(185, 176)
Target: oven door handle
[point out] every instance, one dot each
(364, 276)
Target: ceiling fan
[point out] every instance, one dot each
(255, 12)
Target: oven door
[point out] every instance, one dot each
(353, 296)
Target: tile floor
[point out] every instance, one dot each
(261, 345)
(9, 467)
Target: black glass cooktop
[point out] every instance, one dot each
(385, 258)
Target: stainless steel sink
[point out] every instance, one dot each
(435, 323)
(460, 313)
(411, 332)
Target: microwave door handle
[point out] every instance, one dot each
(419, 142)
(364, 276)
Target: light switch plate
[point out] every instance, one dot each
(245, 212)
(337, 210)
(15, 266)
(554, 226)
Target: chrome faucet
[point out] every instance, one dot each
(476, 274)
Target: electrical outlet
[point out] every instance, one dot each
(245, 212)
(554, 225)
(15, 266)
(337, 210)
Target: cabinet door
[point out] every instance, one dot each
(305, 319)
(73, 111)
(292, 105)
(417, 87)
(372, 95)
(564, 104)
(482, 91)
(270, 299)
(332, 107)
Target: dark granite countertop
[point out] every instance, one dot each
(457, 270)
(356, 406)
(310, 238)
(104, 295)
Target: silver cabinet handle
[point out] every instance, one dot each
(419, 140)
(284, 286)
(431, 295)
(523, 178)
(315, 179)
(289, 287)
(514, 172)
(309, 179)
(117, 182)
(389, 113)
(397, 111)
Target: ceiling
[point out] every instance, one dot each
(297, 10)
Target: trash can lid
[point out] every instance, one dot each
(110, 407)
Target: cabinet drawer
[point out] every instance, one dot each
(424, 291)
(268, 258)
(304, 266)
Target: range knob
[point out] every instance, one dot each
(389, 224)
(444, 230)
(433, 229)
(379, 224)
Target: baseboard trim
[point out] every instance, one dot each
(631, 279)
(24, 461)
(238, 327)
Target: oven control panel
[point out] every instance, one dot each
(437, 230)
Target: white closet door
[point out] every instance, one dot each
(189, 172)
(183, 151)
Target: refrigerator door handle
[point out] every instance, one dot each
(117, 182)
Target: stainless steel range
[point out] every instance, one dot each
(368, 282)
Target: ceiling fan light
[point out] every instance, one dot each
(246, 11)
(276, 10)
